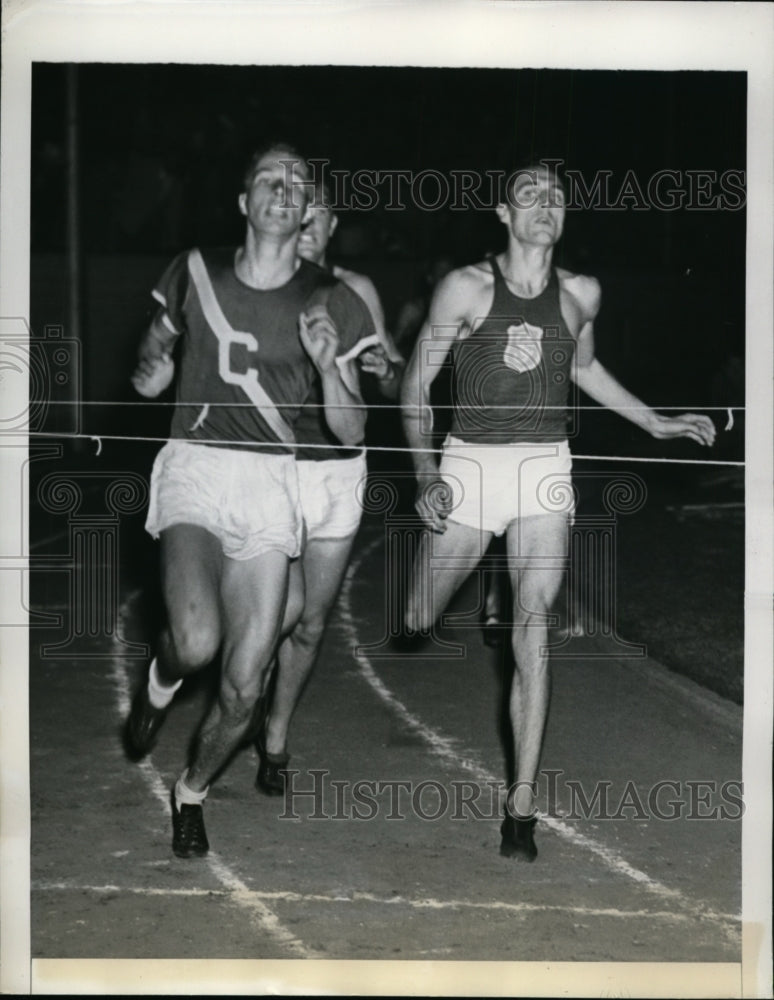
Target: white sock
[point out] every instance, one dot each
(185, 796)
(159, 693)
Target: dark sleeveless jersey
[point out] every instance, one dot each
(213, 404)
(311, 427)
(511, 377)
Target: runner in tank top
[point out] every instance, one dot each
(519, 331)
(330, 481)
(254, 333)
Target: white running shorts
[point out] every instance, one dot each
(330, 496)
(247, 499)
(493, 485)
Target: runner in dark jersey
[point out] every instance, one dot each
(221, 373)
(520, 331)
(256, 327)
(330, 481)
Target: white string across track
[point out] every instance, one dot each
(99, 438)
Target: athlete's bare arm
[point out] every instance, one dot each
(155, 367)
(581, 297)
(458, 299)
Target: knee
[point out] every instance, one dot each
(532, 606)
(238, 698)
(529, 630)
(293, 612)
(195, 642)
(308, 632)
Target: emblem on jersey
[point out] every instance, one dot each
(244, 379)
(522, 352)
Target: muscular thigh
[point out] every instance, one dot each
(537, 559)
(443, 562)
(253, 596)
(324, 564)
(191, 561)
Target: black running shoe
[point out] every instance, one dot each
(189, 838)
(143, 725)
(517, 840)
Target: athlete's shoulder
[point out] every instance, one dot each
(349, 311)
(169, 290)
(583, 289)
(220, 265)
(359, 283)
(344, 290)
(362, 286)
(478, 275)
(464, 282)
(178, 263)
(459, 293)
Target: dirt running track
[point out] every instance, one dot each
(349, 880)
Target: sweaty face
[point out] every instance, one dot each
(535, 209)
(276, 198)
(316, 231)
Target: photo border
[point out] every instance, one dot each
(620, 35)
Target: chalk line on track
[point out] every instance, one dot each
(264, 917)
(446, 749)
(370, 897)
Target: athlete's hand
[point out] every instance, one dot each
(692, 425)
(376, 362)
(153, 374)
(433, 502)
(320, 338)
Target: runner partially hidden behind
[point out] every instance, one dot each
(257, 326)
(330, 483)
(518, 330)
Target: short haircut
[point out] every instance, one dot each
(278, 146)
(531, 165)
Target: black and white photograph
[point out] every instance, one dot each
(387, 493)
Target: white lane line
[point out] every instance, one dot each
(444, 748)
(265, 919)
(369, 897)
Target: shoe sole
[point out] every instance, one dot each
(517, 848)
(184, 852)
(509, 850)
(271, 790)
(190, 853)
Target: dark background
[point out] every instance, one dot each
(162, 150)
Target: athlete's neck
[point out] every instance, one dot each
(265, 261)
(526, 268)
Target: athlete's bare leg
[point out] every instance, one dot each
(537, 549)
(443, 562)
(191, 562)
(323, 564)
(252, 597)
